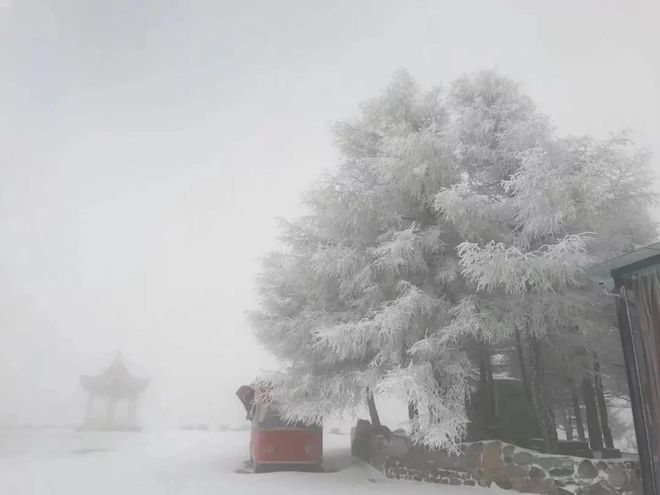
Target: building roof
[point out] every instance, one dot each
(631, 262)
(115, 381)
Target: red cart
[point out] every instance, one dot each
(276, 444)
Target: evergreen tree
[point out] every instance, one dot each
(453, 226)
(369, 272)
(536, 210)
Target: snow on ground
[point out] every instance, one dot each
(39, 462)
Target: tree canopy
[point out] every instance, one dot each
(453, 217)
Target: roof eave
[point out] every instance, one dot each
(626, 263)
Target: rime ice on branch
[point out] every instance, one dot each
(455, 223)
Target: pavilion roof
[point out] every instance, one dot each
(116, 380)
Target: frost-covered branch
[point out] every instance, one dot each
(438, 395)
(552, 267)
(385, 332)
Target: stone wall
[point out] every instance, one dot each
(501, 464)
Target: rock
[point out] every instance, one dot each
(360, 439)
(548, 462)
(418, 456)
(587, 470)
(430, 477)
(508, 450)
(478, 474)
(504, 484)
(618, 478)
(473, 455)
(454, 481)
(492, 460)
(515, 470)
(560, 472)
(548, 486)
(520, 483)
(469, 482)
(390, 471)
(438, 457)
(395, 446)
(599, 489)
(381, 430)
(378, 460)
(554, 462)
(377, 441)
(458, 462)
(523, 458)
(443, 460)
(536, 473)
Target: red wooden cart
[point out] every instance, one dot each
(277, 444)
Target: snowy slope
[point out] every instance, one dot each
(178, 462)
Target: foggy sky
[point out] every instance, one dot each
(146, 147)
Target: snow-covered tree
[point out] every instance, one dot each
(535, 211)
(454, 224)
(368, 273)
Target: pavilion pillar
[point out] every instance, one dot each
(110, 413)
(132, 407)
(90, 406)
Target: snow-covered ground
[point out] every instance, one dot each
(38, 462)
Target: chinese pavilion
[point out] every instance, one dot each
(108, 392)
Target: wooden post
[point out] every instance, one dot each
(593, 423)
(602, 406)
(521, 362)
(567, 420)
(486, 389)
(132, 407)
(543, 410)
(577, 412)
(110, 413)
(88, 411)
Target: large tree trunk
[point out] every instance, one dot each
(602, 406)
(486, 388)
(593, 425)
(523, 367)
(577, 412)
(413, 415)
(373, 412)
(567, 422)
(412, 411)
(544, 414)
